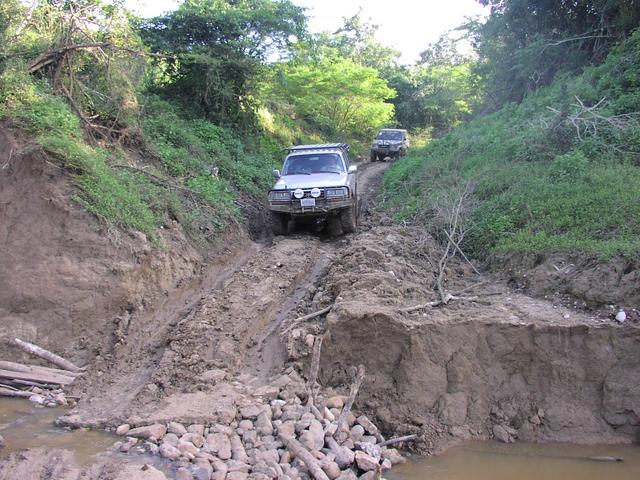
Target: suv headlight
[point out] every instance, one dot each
(279, 195)
(341, 192)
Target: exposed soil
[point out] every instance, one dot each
(187, 335)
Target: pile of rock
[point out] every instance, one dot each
(274, 437)
(48, 398)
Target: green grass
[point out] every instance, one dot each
(539, 188)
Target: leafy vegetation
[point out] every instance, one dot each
(558, 172)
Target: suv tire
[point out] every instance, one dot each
(373, 157)
(349, 220)
(279, 223)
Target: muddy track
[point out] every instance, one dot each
(227, 321)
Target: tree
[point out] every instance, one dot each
(216, 48)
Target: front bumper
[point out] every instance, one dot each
(323, 207)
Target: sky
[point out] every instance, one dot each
(406, 25)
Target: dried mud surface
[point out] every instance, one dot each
(191, 336)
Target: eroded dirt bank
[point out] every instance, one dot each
(500, 365)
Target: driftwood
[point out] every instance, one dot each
(297, 450)
(6, 392)
(47, 355)
(309, 316)
(313, 371)
(355, 386)
(36, 377)
(344, 456)
(19, 367)
(393, 441)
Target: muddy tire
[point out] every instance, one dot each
(373, 157)
(334, 227)
(349, 220)
(279, 223)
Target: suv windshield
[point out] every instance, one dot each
(389, 135)
(313, 163)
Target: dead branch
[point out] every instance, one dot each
(313, 372)
(36, 377)
(5, 392)
(298, 451)
(47, 355)
(19, 367)
(304, 318)
(355, 386)
(393, 441)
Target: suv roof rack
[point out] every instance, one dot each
(320, 146)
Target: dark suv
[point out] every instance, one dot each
(390, 142)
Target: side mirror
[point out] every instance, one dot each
(352, 169)
(276, 173)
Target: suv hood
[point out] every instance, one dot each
(320, 180)
(388, 142)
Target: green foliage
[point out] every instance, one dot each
(541, 182)
(215, 49)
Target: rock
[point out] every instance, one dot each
(171, 439)
(386, 464)
(123, 429)
(393, 455)
(219, 444)
(535, 419)
(213, 376)
(331, 468)
(369, 448)
(37, 399)
(152, 448)
(367, 424)
(1, 441)
(263, 468)
(366, 462)
(203, 469)
(501, 434)
(219, 466)
(267, 392)
(287, 428)
(196, 439)
(196, 428)
(335, 402)
(621, 316)
(250, 411)
(237, 476)
(357, 432)
(183, 474)
(347, 475)
(187, 447)
(237, 466)
(263, 424)
(317, 432)
(177, 428)
(246, 425)
(326, 413)
(169, 451)
(237, 449)
(368, 476)
(227, 430)
(156, 430)
(282, 381)
(369, 439)
(260, 476)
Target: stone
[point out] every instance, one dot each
(37, 399)
(316, 430)
(263, 424)
(267, 392)
(245, 425)
(171, 439)
(152, 448)
(156, 430)
(169, 451)
(501, 434)
(369, 439)
(213, 376)
(386, 464)
(347, 475)
(535, 419)
(262, 467)
(368, 476)
(203, 469)
(287, 428)
(259, 476)
(326, 413)
(187, 447)
(219, 466)
(197, 440)
(237, 476)
(357, 432)
(237, 466)
(219, 444)
(367, 424)
(393, 455)
(123, 429)
(183, 474)
(331, 468)
(281, 381)
(250, 411)
(335, 402)
(237, 449)
(366, 462)
(369, 448)
(177, 428)
(196, 428)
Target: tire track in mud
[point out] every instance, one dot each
(228, 321)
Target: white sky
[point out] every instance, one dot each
(407, 25)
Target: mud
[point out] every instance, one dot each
(188, 335)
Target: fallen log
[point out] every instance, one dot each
(297, 450)
(36, 377)
(47, 355)
(344, 456)
(20, 367)
(309, 316)
(393, 441)
(5, 392)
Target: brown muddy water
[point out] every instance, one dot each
(523, 461)
(24, 426)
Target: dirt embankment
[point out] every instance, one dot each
(502, 365)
